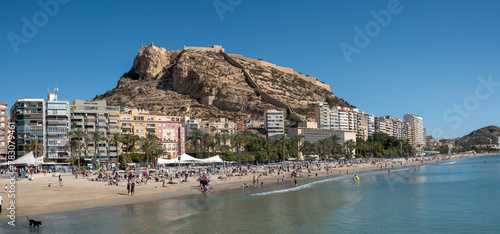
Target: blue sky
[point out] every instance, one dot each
(425, 60)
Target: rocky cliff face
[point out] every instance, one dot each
(175, 82)
(484, 136)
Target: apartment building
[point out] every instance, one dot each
(57, 126)
(274, 122)
(323, 116)
(418, 134)
(91, 116)
(4, 131)
(137, 122)
(28, 116)
(170, 131)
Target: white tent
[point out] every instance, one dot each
(27, 159)
(162, 161)
(185, 158)
(214, 159)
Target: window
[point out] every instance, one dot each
(136, 124)
(2, 118)
(126, 117)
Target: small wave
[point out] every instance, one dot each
(449, 163)
(305, 186)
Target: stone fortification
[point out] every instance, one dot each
(311, 79)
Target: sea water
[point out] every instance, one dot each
(459, 196)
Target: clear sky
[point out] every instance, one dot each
(425, 59)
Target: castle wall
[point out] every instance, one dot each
(214, 48)
(288, 70)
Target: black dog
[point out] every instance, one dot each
(34, 223)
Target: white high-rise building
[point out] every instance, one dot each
(57, 126)
(274, 122)
(417, 124)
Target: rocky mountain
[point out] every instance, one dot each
(484, 136)
(209, 83)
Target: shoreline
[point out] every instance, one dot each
(35, 198)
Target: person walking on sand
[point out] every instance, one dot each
(49, 184)
(132, 187)
(60, 182)
(128, 186)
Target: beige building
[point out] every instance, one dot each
(313, 135)
(91, 116)
(274, 122)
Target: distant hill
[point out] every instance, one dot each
(483, 136)
(206, 82)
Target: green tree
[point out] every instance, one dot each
(194, 137)
(323, 144)
(96, 137)
(36, 148)
(237, 142)
(269, 148)
(282, 140)
(151, 149)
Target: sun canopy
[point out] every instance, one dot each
(186, 159)
(214, 159)
(27, 159)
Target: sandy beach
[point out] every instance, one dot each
(35, 197)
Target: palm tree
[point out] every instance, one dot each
(194, 137)
(225, 137)
(205, 139)
(79, 136)
(96, 137)
(151, 149)
(306, 148)
(296, 142)
(36, 148)
(269, 148)
(134, 141)
(247, 136)
(211, 145)
(238, 141)
(71, 147)
(350, 145)
(115, 139)
(335, 142)
(282, 140)
(323, 143)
